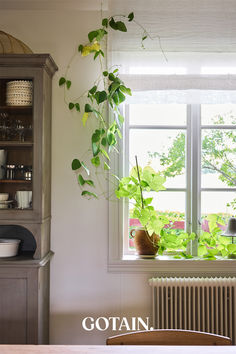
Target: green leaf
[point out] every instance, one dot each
(89, 194)
(121, 118)
(113, 87)
(131, 16)
(105, 153)
(88, 108)
(110, 137)
(126, 90)
(113, 24)
(84, 118)
(119, 133)
(148, 201)
(202, 250)
(96, 54)
(115, 98)
(115, 71)
(77, 107)
(68, 84)
(112, 77)
(71, 105)
(121, 26)
(95, 149)
(89, 182)
(105, 22)
(96, 136)
(95, 161)
(121, 97)
(106, 166)
(231, 248)
(104, 141)
(75, 165)
(105, 73)
(102, 53)
(81, 180)
(100, 96)
(92, 35)
(144, 37)
(62, 81)
(80, 48)
(85, 167)
(93, 90)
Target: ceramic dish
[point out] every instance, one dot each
(9, 247)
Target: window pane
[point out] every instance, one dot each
(159, 114)
(218, 114)
(219, 203)
(163, 149)
(218, 158)
(169, 204)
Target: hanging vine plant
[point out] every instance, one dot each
(109, 91)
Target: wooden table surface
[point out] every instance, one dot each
(103, 349)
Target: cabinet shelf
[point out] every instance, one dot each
(16, 108)
(15, 181)
(16, 144)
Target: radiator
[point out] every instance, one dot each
(200, 304)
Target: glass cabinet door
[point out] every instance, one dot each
(16, 144)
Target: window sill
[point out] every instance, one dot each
(169, 266)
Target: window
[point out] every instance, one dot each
(194, 145)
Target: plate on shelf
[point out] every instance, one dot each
(5, 202)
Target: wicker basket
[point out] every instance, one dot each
(19, 93)
(12, 45)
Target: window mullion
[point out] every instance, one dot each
(188, 203)
(195, 172)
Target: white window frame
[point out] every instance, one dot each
(117, 262)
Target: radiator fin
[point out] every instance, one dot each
(202, 304)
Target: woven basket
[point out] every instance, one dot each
(19, 93)
(11, 45)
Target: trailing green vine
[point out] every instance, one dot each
(108, 91)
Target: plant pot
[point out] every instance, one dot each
(144, 244)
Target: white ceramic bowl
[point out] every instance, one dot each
(9, 247)
(4, 197)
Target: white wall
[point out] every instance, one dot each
(80, 283)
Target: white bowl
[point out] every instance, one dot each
(9, 247)
(4, 196)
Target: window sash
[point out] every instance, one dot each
(193, 171)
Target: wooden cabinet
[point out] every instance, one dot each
(25, 141)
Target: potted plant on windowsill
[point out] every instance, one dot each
(140, 182)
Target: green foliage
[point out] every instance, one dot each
(211, 244)
(170, 241)
(89, 194)
(68, 84)
(131, 16)
(71, 105)
(105, 22)
(132, 188)
(62, 81)
(76, 164)
(218, 151)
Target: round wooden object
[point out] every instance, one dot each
(12, 45)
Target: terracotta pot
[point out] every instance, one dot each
(143, 242)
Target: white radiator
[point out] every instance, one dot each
(200, 304)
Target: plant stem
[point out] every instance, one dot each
(141, 192)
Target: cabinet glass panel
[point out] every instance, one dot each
(16, 143)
